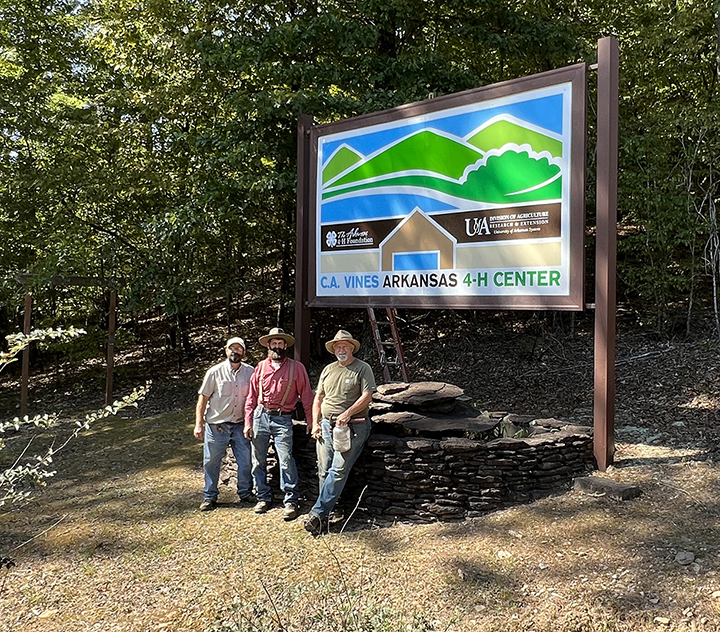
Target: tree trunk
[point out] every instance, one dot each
(285, 285)
(717, 42)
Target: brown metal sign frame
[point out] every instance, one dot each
(574, 300)
(606, 243)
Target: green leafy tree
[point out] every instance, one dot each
(668, 152)
(154, 144)
(162, 150)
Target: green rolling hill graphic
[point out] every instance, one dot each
(426, 151)
(503, 179)
(499, 171)
(343, 159)
(501, 132)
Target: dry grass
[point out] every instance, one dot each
(132, 552)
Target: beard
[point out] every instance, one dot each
(277, 354)
(235, 358)
(342, 357)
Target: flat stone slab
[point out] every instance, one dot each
(417, 394)
(604, 486)
(397, 417)
(437, 424)
(550, 422)
(579, 430)
(443, 425)
(518, 420)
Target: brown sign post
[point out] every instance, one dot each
(303, 314)
(370, 267)
(110, 348)
(25, 379)
(606, 251)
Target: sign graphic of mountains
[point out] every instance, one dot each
(504, 161)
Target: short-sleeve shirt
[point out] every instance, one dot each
(226, 389)
(342, 386)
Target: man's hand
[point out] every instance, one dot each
(199, 430)
(343, 419)
(247, 431)
(317, 430)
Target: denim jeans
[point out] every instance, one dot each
(334, 467)
(217, 438)
(280, 428)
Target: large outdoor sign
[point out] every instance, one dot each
(471, 200)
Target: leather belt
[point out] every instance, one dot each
(357, 420)
(276, 412)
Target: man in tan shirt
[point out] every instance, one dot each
(342, 398)
(220, 420)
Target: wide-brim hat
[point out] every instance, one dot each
(276, 332)
(344, 336)
(235, 341)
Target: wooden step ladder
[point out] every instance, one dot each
(395, 359)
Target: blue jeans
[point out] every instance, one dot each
(334, 467)
(280, 428)
(217, 438)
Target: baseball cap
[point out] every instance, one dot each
(235, 340)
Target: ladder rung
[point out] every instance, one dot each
(398, 361)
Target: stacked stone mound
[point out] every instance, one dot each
(427, 409)
(439, 409)
(432, 456)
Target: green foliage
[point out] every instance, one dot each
(153, 146)
(669, 150)
(158, 146)
(18, 342)
(18, 481)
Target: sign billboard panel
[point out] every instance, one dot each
(471, 200)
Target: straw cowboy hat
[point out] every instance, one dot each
(345, 336)
(276, 332)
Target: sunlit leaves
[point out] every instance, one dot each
(156, 142)
(19, 480)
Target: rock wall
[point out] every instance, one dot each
(426, 480)
(433, 457)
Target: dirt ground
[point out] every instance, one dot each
(115, 542)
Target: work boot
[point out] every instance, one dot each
(262, 507)
(313, 525)
(208, 504)
(290, 512)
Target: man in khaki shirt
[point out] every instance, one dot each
(342, 398)
(220, 420)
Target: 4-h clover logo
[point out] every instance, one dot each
(331, 239)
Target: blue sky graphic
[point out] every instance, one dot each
(377, 206)
(545, 112)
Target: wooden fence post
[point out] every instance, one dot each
(110, 349)
(25, 379)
